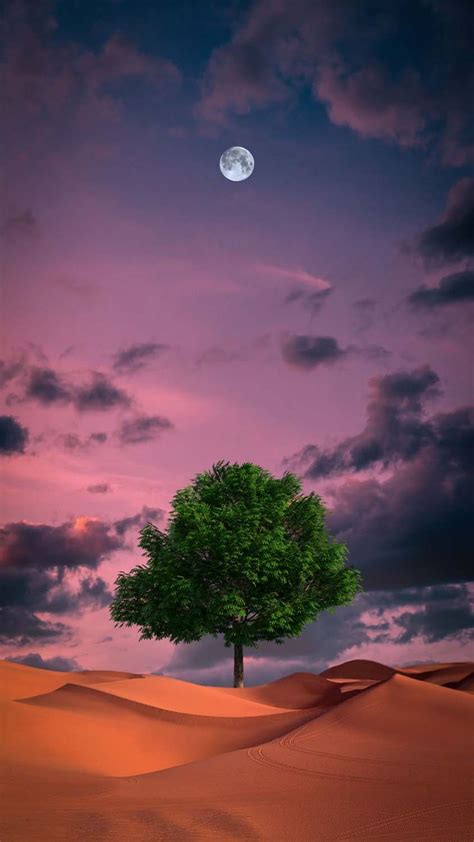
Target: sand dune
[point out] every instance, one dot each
(451, 674)
(360, 670)
(447, 674)
(343, 756)
(299, 690)
(182, 696)
(18, 681)
(467, 684)
(83, 728)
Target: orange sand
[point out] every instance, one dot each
(362, 752)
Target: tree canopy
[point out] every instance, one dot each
(245, 555)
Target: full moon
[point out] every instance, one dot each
(236, 163)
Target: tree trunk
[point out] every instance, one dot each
(238, 665)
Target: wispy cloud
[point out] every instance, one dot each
(298, 275)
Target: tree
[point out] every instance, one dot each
(245, 555)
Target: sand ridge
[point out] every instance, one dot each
(294, 693)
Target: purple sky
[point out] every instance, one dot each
(157, 317)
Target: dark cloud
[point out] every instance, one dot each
(35, 563)
(399, 72)
(395, 429)
(143, 428)
(452, 238)
(94, 592)
(440, 619)
(83, 542)
(72, 441)
(414, 529)
(19, 627)
(99, 488)
(47, 387)
(136, 357)
(58, 662)
(147, 515)
(98, 438)
(310, 351)
(13, 436)
(452, 289)
(100, 395)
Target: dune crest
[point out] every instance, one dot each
(19, 680)
(298, 690)
(292, 693)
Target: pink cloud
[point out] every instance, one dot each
(297, 274)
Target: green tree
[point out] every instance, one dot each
(245, 555)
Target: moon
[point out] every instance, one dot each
(236, 163)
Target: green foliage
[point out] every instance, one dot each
(245, 555)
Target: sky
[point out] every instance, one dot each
(157, 317)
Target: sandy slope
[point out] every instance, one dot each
(85, 729)
(294, 691)
(299, 692)
(152, 758)
(446, 675)
(18, 681)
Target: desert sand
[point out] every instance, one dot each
(361, 752)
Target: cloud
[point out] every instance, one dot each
(100, 395)
(300, 276)
(452, 289)
(414, 528)
(307, 352)
(53, 570)
(58, 662)
(353, 58)
(147, 515)
(310, 290)
(80, 542)
(21, 627)
(135, 357)
(13, 436)
(452, 238)
(142, 429)
(99, 488)
(72, 441)
(441, 618)
(395, 428)
(54, 87)
(373, 103)
(238, 79)
(48, 387)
